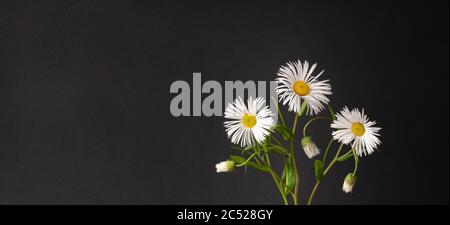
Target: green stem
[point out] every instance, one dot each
(333, 114)
(277, 182)
(312, 120)
(267, 159)
(276, 140)
(261, 159)
(287, 188)
(326, 151)
(294, 163)
(347, 153)
(257, 161)
(356, 161)
(306, 127)
(297, 177)
(295, 123)
(334, 160)
(246, 161)
(313, 192)
(275, 177)
(279, 111)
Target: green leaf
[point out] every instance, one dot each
(288, 176)
(278, 150)
(237, 148)
(239, 159)
(345, 157)
(284, 132)
(303, 108)
(318, 169)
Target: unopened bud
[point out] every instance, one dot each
(349, 182)
(310, 147)
(225, 166)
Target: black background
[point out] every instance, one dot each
(84, 97)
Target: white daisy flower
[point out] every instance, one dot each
(355, 126)
(249, 124)
(225, 166)
(296, 83)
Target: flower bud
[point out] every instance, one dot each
(349, 182)
(310, 147)
(225, 166)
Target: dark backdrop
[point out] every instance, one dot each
(84, 97)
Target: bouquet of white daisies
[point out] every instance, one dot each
(258, 137)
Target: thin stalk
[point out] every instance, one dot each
(246, 161)
(332, 113)
(356, 161)
(279, 111)
(326, 151)
(295, 123)
(267, 159)
(313, 192)
(294, 163)
(334, 160)
(312, 120)
(274, 175)
(277, 182)
(276, 140)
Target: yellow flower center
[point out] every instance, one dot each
(301, 88)
(358, 129)
(249, 121)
